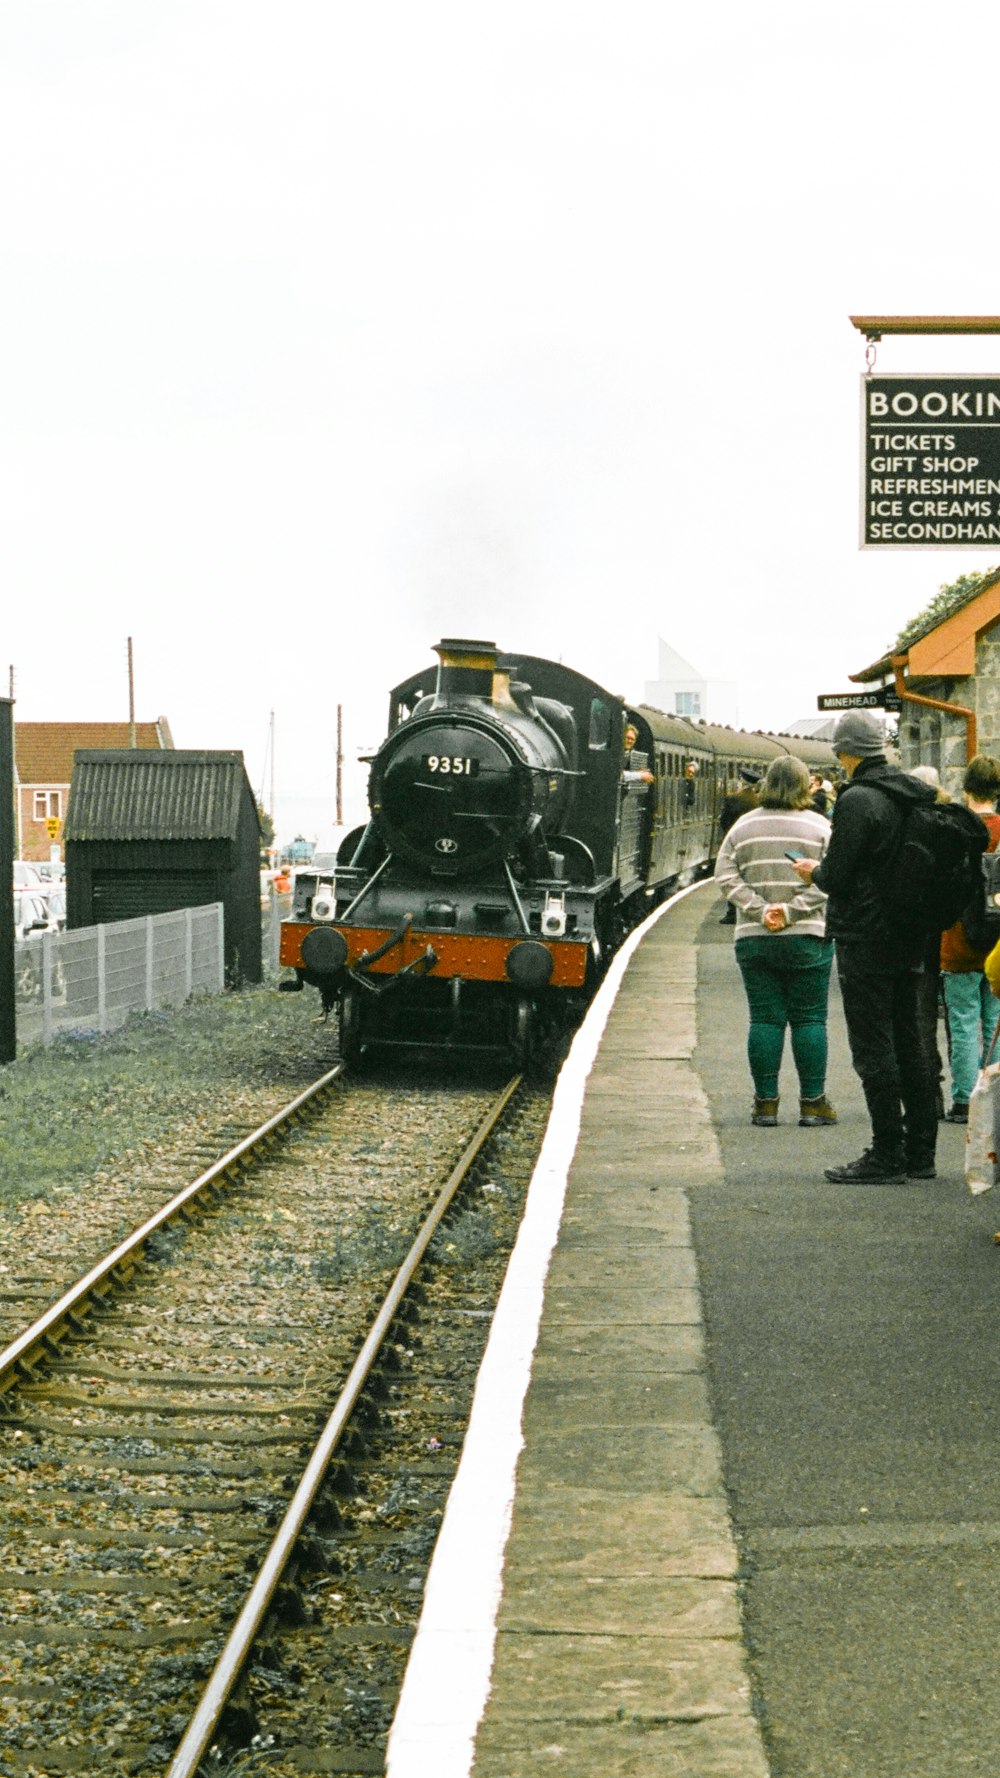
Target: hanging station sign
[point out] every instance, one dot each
(931, 462)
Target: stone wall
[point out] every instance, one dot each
(932, 737)
(987, 691)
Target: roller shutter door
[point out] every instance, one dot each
(124, 896)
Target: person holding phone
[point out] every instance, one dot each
(780, 942)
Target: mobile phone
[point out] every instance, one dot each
(794, 856)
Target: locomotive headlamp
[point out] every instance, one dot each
(324, 904)
(554, 916)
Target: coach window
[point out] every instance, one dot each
(600, 724)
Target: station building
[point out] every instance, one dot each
(947, 671)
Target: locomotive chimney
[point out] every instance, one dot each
(466, 669)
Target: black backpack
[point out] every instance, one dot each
(981, 919)
(936, 870)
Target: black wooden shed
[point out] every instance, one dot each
(148, 832)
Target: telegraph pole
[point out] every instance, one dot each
(340, 765)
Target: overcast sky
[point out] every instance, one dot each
(328, 329)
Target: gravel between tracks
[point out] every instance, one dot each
(95, 1134)
(369, 1592)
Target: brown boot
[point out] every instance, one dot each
(765, 1113)
(814, 1114)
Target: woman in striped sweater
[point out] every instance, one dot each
(782, 950)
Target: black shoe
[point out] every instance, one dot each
(871, 1169)
(921, 1170)
(959, 1113)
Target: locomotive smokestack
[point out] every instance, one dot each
(466, 669)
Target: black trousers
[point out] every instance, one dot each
(889, 1050)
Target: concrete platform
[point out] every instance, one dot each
(586, 1612)
(618, 1632)
(615, 1646)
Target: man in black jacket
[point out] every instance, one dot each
(877, 967)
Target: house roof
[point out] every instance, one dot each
(944, 647)
(174, 795)
(43, 751)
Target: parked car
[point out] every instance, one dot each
(51, 872)
(30, 913)
(34, 915)
(30, 919)
(30, 876)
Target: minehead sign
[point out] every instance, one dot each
(884, 698)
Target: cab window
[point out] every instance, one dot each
(600, 724)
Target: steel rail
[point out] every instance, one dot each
(231, 1661)
(13, 1356)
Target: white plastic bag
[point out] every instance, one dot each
(982, 1133)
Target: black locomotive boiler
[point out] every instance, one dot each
(514, 839)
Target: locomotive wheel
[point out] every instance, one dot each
(350, 1026)
(523, 1035)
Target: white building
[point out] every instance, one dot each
(680, 689)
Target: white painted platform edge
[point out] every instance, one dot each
(447, 1678)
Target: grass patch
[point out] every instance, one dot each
(75, 1106)
(464, 1238)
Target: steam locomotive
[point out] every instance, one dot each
(523, 819)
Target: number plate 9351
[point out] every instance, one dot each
(450, 765)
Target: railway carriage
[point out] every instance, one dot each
(512, 842)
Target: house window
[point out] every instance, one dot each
(48, 805)
(688, 703)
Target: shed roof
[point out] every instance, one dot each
(175, 795)
(43, 751)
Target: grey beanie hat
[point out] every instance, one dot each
(859, 733)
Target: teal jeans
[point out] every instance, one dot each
(972, 1015)
(787, 982)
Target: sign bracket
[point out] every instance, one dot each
(875, 326)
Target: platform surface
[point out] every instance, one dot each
(755, 1528)
(618, 1646)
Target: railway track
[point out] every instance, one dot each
(46, 1246)
(155, 1442)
